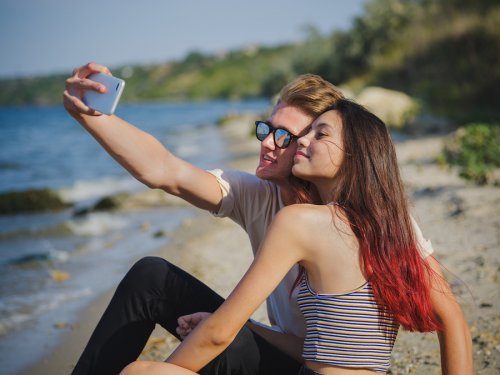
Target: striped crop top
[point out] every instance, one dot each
(347, 330)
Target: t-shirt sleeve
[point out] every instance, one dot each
(424, 245)
(243, 195)
(227, 192)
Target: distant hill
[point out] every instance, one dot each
(445, 53)
(235, 75)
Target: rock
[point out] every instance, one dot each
(35, 200)
(395, 108)
(111, 202)
(159, 233)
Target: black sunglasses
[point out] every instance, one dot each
(281, 137)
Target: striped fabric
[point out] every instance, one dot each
(347, 329)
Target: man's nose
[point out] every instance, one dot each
(268, 142)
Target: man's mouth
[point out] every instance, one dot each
(267, 159)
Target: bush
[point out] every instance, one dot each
(475, 149)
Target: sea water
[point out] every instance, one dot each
(46, 148)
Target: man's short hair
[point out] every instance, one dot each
(310, 93)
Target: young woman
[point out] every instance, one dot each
(362, 275)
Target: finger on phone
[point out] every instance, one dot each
(98, 68)
(90, 68)
(85, 84)
(78, 106)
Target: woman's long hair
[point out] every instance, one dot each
(370, 190)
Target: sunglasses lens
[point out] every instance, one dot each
(262, 130)
(282, 138)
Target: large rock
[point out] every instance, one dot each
(35, 200)
(395, 108)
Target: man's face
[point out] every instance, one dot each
(275, 163)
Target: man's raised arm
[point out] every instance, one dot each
(137, 151)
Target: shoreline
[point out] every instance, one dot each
(184, 250)
(187, 251)
(461, 220)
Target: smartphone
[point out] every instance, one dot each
(104, 102)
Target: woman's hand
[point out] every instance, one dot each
(77, 84)
(189, 322)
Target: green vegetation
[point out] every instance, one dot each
(475, 149)
(443, 53)
(32, 91)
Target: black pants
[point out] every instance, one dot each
(307, 371)
(155, 291)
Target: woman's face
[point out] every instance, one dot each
(321, 151)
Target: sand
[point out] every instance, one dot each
(462, 221)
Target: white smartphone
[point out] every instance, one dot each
(104, 102)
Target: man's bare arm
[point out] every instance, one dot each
(137, 151)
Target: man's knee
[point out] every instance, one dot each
(148, 273)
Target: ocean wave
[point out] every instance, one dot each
(187, 151)
(17, 310)
(40, 259)
(92, 224)
(82, 191)
(97, 223)
(60, 229)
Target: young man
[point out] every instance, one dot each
(155, 291)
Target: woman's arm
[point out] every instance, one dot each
(287, 343)
(137, 151)
(454, 339)
(283, 247)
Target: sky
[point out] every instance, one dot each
(39, 37)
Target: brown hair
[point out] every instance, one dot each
(370, 190)
(312, 95)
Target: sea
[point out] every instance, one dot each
(53, 264)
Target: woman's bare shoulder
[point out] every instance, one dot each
(303, 212)
(310, 218)
(321, 231)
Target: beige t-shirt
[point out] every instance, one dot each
(253, 203)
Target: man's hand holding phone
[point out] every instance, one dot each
(92, 90)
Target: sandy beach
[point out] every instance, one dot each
(461, 220)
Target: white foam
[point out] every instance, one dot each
(96, 224)
(88, 190)
(14, 307)
(13, 321)
(186, 151)
(58, 298)
(59, 255)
